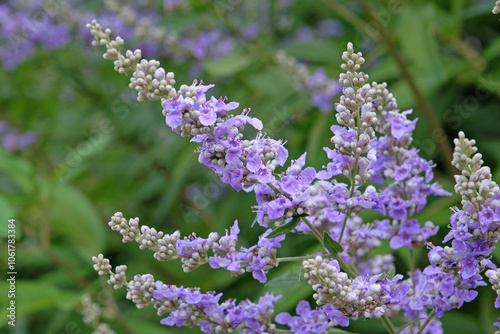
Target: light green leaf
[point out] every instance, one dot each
(229, 65)
(33, 296)
(73, 216)
(333, 246)
(285, 228)
(288, 280)
(422, 50)
(19, 169)
(6, 213)
(339, 331)
(314, 50)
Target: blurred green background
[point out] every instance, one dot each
(100, 151)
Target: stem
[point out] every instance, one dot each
(388, 324)
(314, 230)
(346, 14)
(291, 258)
(353, 267)
(429, 318)
(270, 185)
(337, 257)
(344, 266)
(354, 171)
(412, 268)
(468, 53)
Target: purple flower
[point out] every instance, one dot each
(405, 234)
(397, 208)
(339, 164)
(401, 126)
(335, 315)
(307, 321)
(276, 208)
(225, 251)
(469, 265)
(261, 257)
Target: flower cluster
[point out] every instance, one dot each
(194, 251)
(311, 321)
(91, 312)
(449, 281)
(371, 143)
(190, 307)
(22, 29)
(363, 296)
(475, 229)
(12, 140)
(148, 238)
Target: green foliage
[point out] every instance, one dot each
(285, 228)
(331, 245)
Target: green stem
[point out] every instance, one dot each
(314, 230)
(270, 185)
(346, 14)
(337, 257)
(344, 266)
(412, 268)
(354, 269)
(429, 318)
(388, 324)
(354, 173)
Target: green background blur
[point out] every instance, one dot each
(100, 151)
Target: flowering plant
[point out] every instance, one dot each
(372, 167)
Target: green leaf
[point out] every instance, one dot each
(6, 213)
(19, 169)
(75, 218)
(33, 296)
(229, 65)
(339, 331)
(285, 228)
(288, 280)
(422, 50)
(331, 245)
(313, 50)
(492, 50)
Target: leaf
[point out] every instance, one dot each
(229, 65)
(285, 228)
(6, 213)
(492, 50)
(331, 245)
(288, 280)
(19, 169)
(73, 216)
(422, 50)
(33, 296)
(339, 331)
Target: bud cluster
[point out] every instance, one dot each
(164, 245)
(103, 267)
